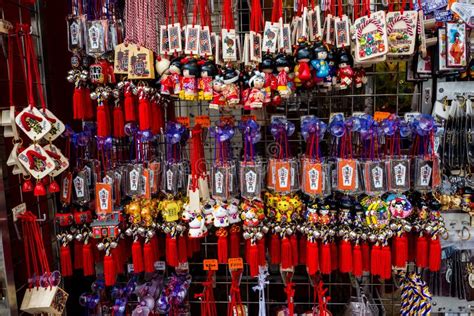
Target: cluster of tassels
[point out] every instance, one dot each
(180, 248)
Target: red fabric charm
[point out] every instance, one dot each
(253, 260)
(39, 190)
(137, 257)
(435, 254)
(286, 253)
(88, 260)
(400, 251)
(275, 249)
(77, 255)
(182, 249)
(294, 249)
(334, 256)
(222, 246)
(345, 256)
(148, 257)
(144, 114)
(262, 261)
(357, 260)
(325, 259)
(119, 122)
(109, 270)
(171, 251)
(365, 257)
(103, 129)
(65, 260)
(421, 252)
(312, 257)
(235, 241)
(386, 263)
(130, 106)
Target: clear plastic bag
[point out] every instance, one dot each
(250, 179)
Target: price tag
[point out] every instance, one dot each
(18, 210)
(160, 265)
(203, 120)
(183, 120)
(235, 263)
(380, 116)
(210, 265)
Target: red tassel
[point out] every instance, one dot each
(286, 253)
(411, 246)
(160, 118)
(312, 257)
(77, 104)
(334, 256)
(148, 257)
(137, 257)
(197, 245)
(78, 255)
(171, 251)
(294, 249)
(262, 260)
(109, 270)
(400, 251)
(302, 250)
(234, 243)
(345, 256)
(88, 108)
(357, 261)
(247, 250)
(119, 122)
(422, 252)
(88, 260)
(182, 250)
(222, 246)
(155, 247)
(365, 257)
(117, 254)
(325, 263)
(155, 118)
(275, 249)
(102, 126)
(129, 105)
(253, 260)
(386, 263)
(66, 262)
(375, 261)
(144, 114)
(435, 254)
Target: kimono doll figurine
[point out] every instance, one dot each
(208, 72)
(218, 99)
(189, 91)
(231, 90)
(175, 77)
(245, 83)
(319, 63)
(283, 79)
(345, 72)
(331, 78)
(256, 96)
(302, 69)
(267, 66)
(359, 78)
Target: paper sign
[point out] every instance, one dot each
(18, 210)
(103, 194)
(235, 263)
(210, 265)
(346, 174)
(283, 176)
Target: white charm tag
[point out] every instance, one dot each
(60, 161)
(270, 37)
(57, 127)
(192, 39)
(371, 36)
(36, 161)
(229, 45)
(174, 37)
(33, 123)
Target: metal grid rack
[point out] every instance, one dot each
(386, 90)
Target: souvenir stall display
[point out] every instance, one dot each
(213, 165)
